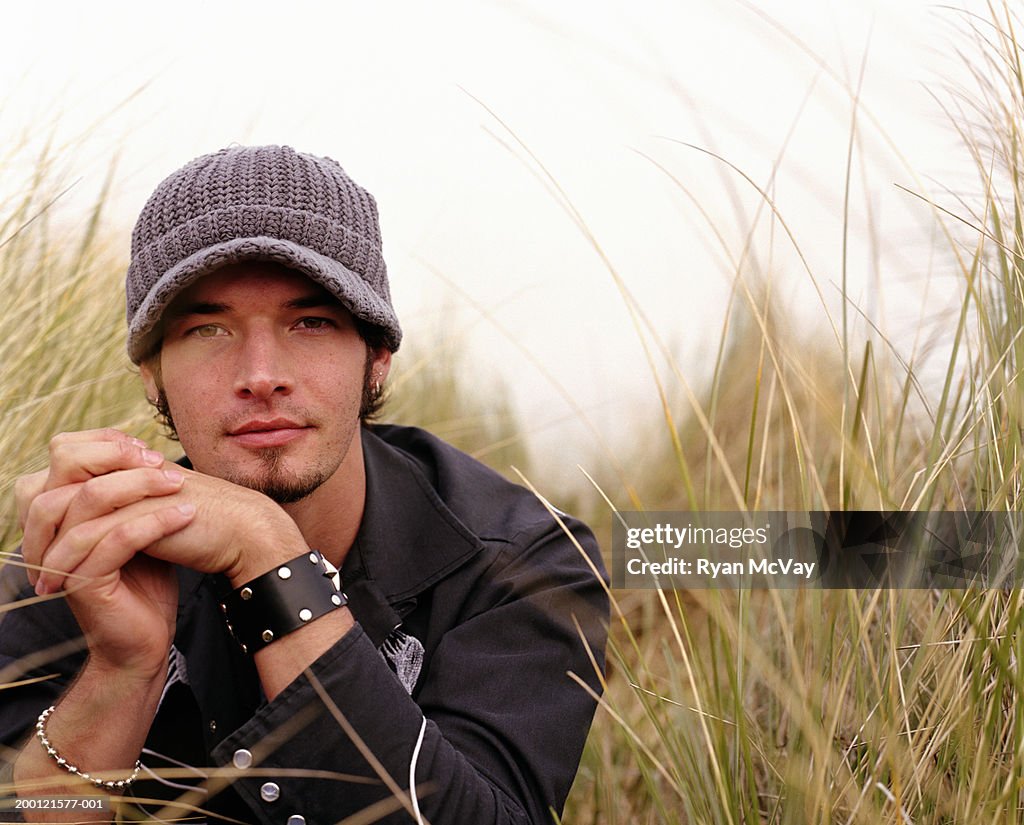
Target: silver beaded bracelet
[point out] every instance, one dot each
(106, 784)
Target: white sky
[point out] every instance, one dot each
(600, 92)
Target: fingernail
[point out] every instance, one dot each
(42, 589)
(186, 509)
(174, 476)
(138, 442)
(152, 457)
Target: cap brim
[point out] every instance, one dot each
(347, 286)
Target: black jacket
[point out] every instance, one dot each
(450, 554)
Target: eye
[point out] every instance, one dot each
(207, 331)
(314, 323)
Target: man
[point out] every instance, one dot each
(225, 659)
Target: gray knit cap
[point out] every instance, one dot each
(265, 203)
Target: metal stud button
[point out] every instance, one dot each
(336, 599)
(284, 572)
(269, 792)
(296, 819)
(305, 614)
(267, 635)
(245, 593)
(242, 759)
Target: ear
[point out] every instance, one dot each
(381, 364)
(150, 379)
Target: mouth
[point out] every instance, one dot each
(273, 433)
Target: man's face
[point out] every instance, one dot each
(263, 372)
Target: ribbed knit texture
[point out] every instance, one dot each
(266, 203)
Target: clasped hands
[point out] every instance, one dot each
(107, 520)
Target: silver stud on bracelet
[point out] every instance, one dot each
(107, 784)
(282, 600)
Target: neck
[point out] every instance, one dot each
(329, 517)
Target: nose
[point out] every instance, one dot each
(263, 369)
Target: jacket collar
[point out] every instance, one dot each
(409, 539)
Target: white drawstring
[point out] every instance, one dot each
(412, 773)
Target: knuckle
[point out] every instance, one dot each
(26, 489)
(137, 533)
(59, 440)
(43, 509)
(79, 537)
(39, 520)
(82, 539)
(90, 496)
(126, 450)
(166, 518)
(58, 449)
(123, 534)
(155, 479)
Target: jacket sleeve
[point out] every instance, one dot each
(41, 649)
(494, 730)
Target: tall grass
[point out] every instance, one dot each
(842, 706)
(61, 365)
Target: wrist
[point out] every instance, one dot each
(99, 727)
(264, 545)
(282, 600)
(126, 678)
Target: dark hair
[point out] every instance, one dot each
(373, 392)
(376, 339)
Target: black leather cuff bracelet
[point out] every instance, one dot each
(282, 600)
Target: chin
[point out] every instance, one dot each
(287, 494)
(276, 481)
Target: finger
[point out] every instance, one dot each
(122, 543)
(44, 517)
(64, 507)
(101, 546)
(100, 434)
(104, 494)
(74, 461)
(26, 488)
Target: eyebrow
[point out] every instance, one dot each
(196, 308)
(311, 301)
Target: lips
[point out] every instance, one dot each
(266, 426)
(271, 433)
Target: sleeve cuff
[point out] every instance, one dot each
(300, 730)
